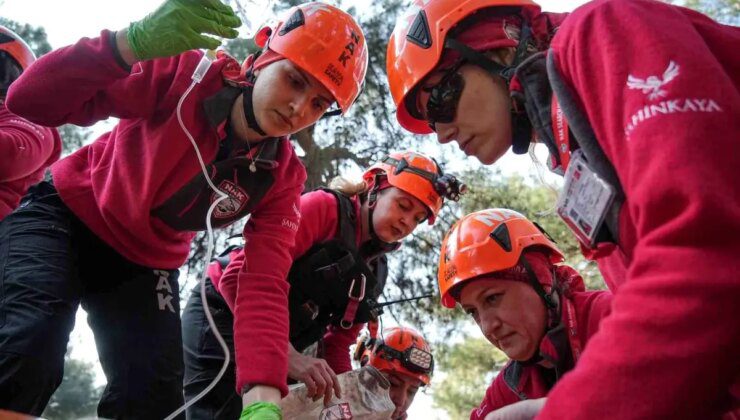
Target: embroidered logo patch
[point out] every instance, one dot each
(653, 85)
(231, 206)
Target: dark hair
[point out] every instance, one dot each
(9, 71)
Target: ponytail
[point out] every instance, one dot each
(348, 187)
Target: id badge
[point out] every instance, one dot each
(584, 200)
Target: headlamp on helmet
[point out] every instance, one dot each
(413, 358)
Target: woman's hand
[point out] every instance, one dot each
(319, 378)
(177, 26)
(522, 410)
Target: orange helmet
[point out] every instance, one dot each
(418, 43)
(327, 43)
(14, 46)
(485, 242)
(400, 349)
(418, 175)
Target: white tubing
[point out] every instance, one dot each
(200, 71)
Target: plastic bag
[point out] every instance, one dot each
(364, 397)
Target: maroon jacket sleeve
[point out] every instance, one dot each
(591, 308)
(25, 147)
(670, 343)
(497, 395)
(337, 341)
(261, 309)
(89, 85)
(319, 208)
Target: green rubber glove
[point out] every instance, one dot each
(261, 411)
(177, 26)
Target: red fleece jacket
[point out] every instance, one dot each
(116, 184)
(590, 308)
(670, 347)
(26, 150)
(319, 223)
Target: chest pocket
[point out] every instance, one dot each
(186, 209)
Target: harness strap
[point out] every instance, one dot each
(355, 297)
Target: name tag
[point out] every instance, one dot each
(584, 200)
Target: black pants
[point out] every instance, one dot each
(49, 264)
(204, 358)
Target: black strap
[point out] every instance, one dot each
(474, 57)
(248, 107)
(479, 59)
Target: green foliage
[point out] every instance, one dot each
(468, 367)
(77, 396)
(240, 48)
(724, 11)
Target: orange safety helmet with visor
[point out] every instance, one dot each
(420, 40)
(488, 241)
(416, 174)
(400, 350)
(325, 42)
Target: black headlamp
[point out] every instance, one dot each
(414, 359)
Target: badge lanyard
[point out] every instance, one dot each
(575, 342)
(560, 132)
(586, 197)
(584, 200)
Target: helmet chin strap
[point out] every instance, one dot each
(247, 100)
(248, 108)
(375, 245)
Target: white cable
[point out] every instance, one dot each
(200, 71)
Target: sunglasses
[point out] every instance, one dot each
(444, 97)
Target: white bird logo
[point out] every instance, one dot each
(653, 84)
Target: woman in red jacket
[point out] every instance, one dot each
(505, 273)
(638, 103)
(338, 273)
(26, 149)
(118, 219)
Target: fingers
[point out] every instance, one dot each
(335, 381)
(218, 6)
(320, 382)
(206, 43)
(331, 385)
(310, 387)
(225, 20)
(208, 26)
